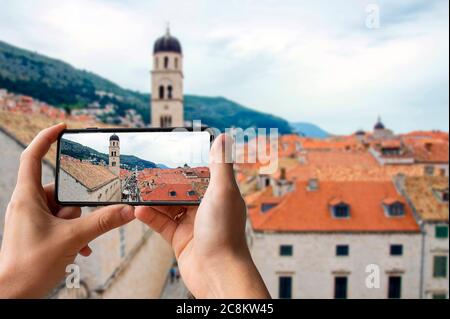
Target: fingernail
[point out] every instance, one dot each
(127, 213)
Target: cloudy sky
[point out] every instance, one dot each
(171, 149)
(314, 61)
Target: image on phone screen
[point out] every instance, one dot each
(106, 167)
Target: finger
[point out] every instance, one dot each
(49, 191)
(221, 164)
(69, 212)
(170, 211)
(101, 221)
(157, 221)
(64, 212)
(86, 251)
(30, 161)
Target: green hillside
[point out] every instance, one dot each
(76, 150)
(58, 83)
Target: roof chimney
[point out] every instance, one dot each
(429, 146)
(313, 185)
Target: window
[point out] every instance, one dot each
(342, 250)
(172, 193)
(113, 164)
(161, 92)
(265, 207)
(286, 250)
(191, 193)
(445, 196)
(169, 91)
(396, 250)
(341, 211)
(166, 62)
(429, 170)
(176, 63)
(165, 121)
(396, 210)
(440, 267)
(441, 231)
(285, 287)
(340, 287)
(439, 296)
(395, 287)
(387, 151)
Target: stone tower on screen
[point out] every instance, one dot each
(114, 155)
(167, 83)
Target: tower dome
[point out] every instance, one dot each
(167, 43)
(114, 137)
(379, 125)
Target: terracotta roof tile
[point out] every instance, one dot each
(89, 175)
(309, 211)
(421, 192)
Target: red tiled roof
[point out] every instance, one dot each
(309, 211)
(429, 150)
(169, 192)
(439, 135)
(90, 176)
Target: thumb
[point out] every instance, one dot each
(103, 220)
(221, 159)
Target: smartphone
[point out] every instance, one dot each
(97, 167)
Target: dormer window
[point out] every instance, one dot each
(172, 193)
(313, 185)
(191, 193)
(390, 151)
(341, 210)
(265, 207)
(442, 195)
(394, 209)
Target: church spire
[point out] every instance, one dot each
(168, 29)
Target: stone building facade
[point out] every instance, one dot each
(314, 267)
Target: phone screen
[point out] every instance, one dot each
(101, 167)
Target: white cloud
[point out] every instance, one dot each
(171, 149)
(303, 60)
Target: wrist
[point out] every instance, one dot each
(234, 276)
(11, 284)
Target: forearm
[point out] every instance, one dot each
(17, 284)
(236, 277)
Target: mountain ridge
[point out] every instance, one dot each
(79, 151)
(60, 84)
(309, 130)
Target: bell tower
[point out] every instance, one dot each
(114, 155)
(167, 83)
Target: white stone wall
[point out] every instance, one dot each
(11, 151)
(434, 247)
(314, 263)
(69, 189)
